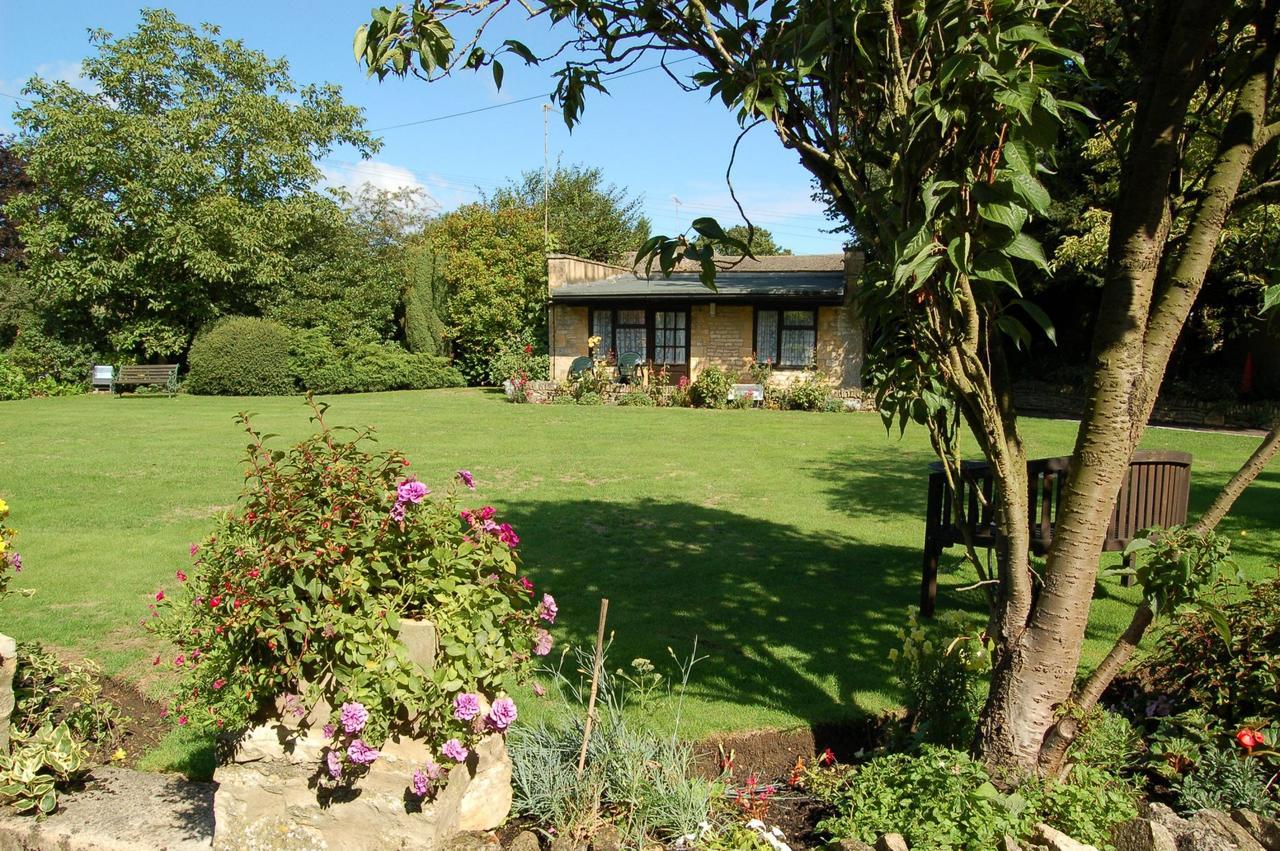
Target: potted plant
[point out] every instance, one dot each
(363, 630)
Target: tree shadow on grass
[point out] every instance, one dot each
(790, 620)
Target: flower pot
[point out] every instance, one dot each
(268, 796)
(8, 671)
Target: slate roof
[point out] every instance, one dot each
(815, 278)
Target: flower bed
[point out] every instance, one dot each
(301, 605)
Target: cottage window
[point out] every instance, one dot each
(786, 338)
(620, 332)
(630, 333)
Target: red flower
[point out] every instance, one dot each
(528, 348)
(1250, 739)
(828, 757)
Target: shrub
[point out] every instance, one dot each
(1106, 741)
(49, 693)
(320, 366)
(518, 358)
(809, 393)
(711, 388)
(1236, 680)
(945, 672)
(41, 356)
(590, 397)
(636, 398)
(13, 384)
(299, 593)
(241, 356)
(941, 798)
(375, 367)
(10, 560)
(36, 765)
(1223, 780)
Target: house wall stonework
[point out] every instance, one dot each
(723, 339)
(568, 335)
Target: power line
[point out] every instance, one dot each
(15, 97)
(542, 96)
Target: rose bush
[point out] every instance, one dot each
(299, 593)
(10, 560)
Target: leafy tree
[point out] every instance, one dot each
(14, 180)
(425, 330)
(491, 274)
(929, 125)
(342, 278)
(758, 239)
(176, 191)
(586, 216)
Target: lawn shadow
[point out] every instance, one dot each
(790, 620)
(882, 481)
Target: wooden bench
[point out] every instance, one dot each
(165, 374)
(1154, 493)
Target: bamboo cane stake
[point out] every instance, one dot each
(595, 685)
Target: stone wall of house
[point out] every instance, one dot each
(567, 326)
(841, 345)
(567, 338)
(721, 336)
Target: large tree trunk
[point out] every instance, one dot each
(1035, 673)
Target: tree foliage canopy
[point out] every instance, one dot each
(930, 127)
(759, 240)
(586, 216)
(177, 189)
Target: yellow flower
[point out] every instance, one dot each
(118, 755)
(4, 508)
(4, 545)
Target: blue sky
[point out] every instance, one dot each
(648, 135)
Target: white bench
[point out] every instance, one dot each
(754, 392)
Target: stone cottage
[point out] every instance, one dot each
(793, 311)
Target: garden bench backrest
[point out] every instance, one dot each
(1154, 492)
(136, 374)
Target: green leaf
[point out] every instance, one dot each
(1220, 622)
(497, 73)
(1027, 248)
(519, 49)
(994, 266)
(1137, 544)
(1270, 297)
(1005, 215)
(709, 227)
(1031, 191)
(1040, 317)
(361, 41)
(1015, 329)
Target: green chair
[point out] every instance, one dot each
(579, 366)
(629, 367)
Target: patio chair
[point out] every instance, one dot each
(629, 367)
(580, 365)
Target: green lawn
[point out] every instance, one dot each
(787, 543)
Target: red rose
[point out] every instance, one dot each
(828, 757)
(1250, 739)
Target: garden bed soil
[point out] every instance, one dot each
(144, 724)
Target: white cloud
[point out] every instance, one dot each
(379, 175)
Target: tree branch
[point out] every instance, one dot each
(1263, 193)
(1248, 471)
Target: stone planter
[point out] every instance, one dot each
(8, 671)
(267, 797)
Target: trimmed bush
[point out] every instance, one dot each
(241, 356)
(317, 364)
